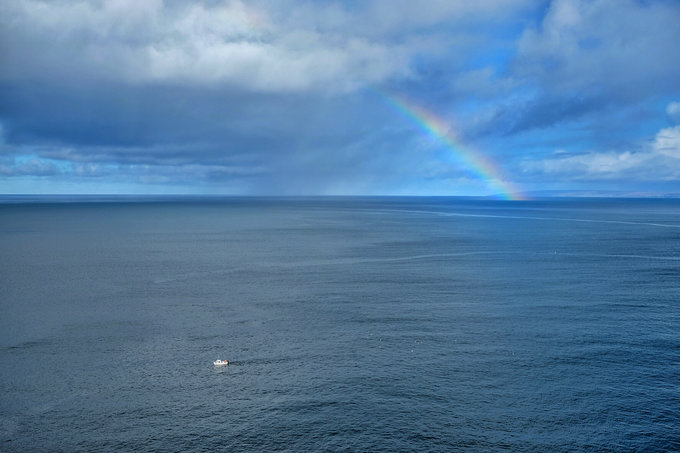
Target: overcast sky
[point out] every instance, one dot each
(293, 97)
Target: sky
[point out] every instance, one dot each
(503, 98)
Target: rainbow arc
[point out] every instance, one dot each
(480, 165)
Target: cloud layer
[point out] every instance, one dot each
(259, 46)
(222, 96)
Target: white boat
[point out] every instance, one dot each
(221, 362)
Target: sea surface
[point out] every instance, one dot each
(351, 324)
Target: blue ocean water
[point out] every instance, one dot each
(351, 324)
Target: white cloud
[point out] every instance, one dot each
(258, 45)
(601, 165)
(227, 42)
(279, 66)
(667, 142)
(660, 160)
(616, 45)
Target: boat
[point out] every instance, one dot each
(221, 362)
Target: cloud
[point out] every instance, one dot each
(659, 160)
(585, 58)
(267, 96)
(29, 167)
(229, 42)
(539, 112)
(604, 45)
(590, 66)
(259, 45)
(667, 142)
(673, 112)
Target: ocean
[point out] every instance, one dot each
(350, 324)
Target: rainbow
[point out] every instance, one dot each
(479, 164)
